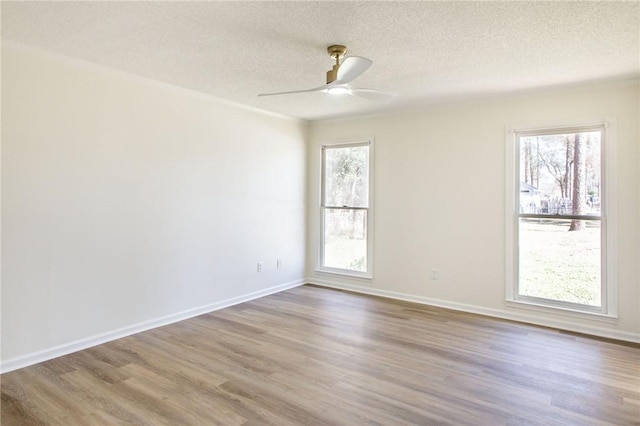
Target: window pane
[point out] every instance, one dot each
(558, 264)
(345, 239)
(347, 177)
(560, 174)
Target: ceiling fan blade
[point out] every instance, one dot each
(315, 89)
(351, 68)
(374, 95)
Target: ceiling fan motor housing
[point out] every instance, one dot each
(332, 74)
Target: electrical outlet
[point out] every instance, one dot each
(259, 266)
(279, 263)
(434, 274)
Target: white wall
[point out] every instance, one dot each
(439, 200)
(127, 203)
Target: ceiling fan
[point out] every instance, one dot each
(341, 75)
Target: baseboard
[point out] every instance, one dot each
(495, 313)
(78, 345)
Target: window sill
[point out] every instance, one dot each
(561, 310)
(345, 273)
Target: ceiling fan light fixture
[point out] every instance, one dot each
(338, 90)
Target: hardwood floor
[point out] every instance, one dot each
(315, 356)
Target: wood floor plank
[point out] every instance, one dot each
(317, 356)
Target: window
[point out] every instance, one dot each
(345, 209)
(558, 226)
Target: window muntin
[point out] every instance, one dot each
(560, 228)
(345, 213)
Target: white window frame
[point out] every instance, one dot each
(609, 289)
(321, 208)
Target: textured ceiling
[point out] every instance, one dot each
(426, 52)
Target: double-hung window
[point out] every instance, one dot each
(345, 215)
(558, 202)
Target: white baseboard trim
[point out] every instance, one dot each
(78, 345)
(490, 312)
